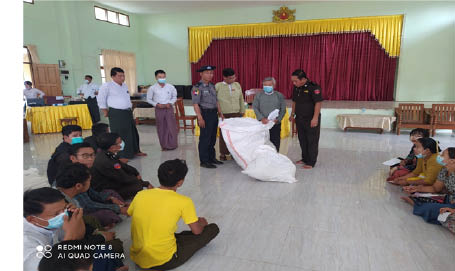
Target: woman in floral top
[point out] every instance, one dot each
(445, 182)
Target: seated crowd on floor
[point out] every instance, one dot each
(427, 176)
(90, 189)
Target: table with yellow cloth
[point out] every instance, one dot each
(46, 119)
(249, 113)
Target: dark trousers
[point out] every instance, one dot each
(223, 148)
(275, 135)
(187, 245)
(122, 123)
(430, 211)
(93, 108)
(207, 138)
(308, 139)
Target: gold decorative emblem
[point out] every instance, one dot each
(284, 14)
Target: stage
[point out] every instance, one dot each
(330, 109)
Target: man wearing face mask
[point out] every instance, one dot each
(266, 102)
(88, 91)
(46, 222)
(109, 173)
(72, 134)
(163, 96)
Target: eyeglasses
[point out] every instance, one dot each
(87, 156)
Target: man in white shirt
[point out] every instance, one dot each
(46, 223)
(88, 91)
(162, 96)
(32, 93)
(115, 102)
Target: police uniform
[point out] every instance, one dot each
(205, 96)
(305, 98)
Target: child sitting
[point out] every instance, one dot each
(71, 134)
(109, 172)
(97, 130)
(410, 162)
(155, 213)
(104, 206)
(427, 170)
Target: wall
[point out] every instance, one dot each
(68, 30)
(426, 66)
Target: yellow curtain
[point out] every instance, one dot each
(124, 60)
(386, 29)
(33, 53)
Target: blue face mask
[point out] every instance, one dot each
(162, 80)
(76, 140)
(56, 222)
(420, 156)
(440, 160)
(122, 145)
(268, 89)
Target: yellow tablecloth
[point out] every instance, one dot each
(249, 113)
(46, 119)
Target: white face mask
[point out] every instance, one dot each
(86, 81)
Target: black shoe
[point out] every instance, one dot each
(216, 162)
(208, 165)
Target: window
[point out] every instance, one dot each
(110, 16)
(29, 1)
(100, 14)
(27, 62)
(103, 73)
(124, 19)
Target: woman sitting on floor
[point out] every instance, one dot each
(427, 169)
(410, 162)
(108, 172)
(429, 208)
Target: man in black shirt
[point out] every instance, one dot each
(306, 111)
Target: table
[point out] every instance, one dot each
(144, 115)
(365, 122)
(46, 119)
(249, 113)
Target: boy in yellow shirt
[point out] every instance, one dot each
(155, 213)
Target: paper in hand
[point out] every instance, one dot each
(392, 162)
(443, 217)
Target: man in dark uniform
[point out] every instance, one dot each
(207, 109)
(306, 111)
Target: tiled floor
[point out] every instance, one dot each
(339, 216)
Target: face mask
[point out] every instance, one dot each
(420, 156)
(440, 160)
(268, 89)
(162, 80)
(86, 81)
(56, 222)
(76, 140)
(122, 145)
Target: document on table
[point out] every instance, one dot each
(392, 162)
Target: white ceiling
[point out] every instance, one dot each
(154, 7)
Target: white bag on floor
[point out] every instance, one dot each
(248, 142)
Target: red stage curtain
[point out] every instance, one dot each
(349, 66)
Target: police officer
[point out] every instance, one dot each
(207, 109)
(306, 111)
